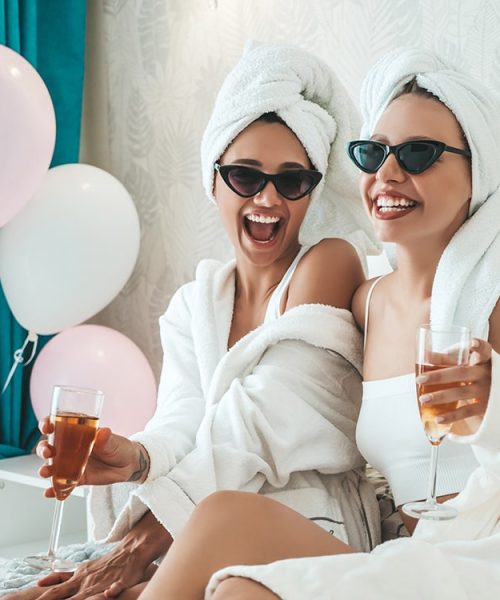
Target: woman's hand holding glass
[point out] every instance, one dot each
(114, 459)
(472, 398)
(453, 384)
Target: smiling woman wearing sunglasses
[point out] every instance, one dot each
(261, 384)
(438, 204)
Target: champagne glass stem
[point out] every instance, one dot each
(431, 491)
(56, 528)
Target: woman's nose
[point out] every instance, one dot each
(268, 196)
(391, 170)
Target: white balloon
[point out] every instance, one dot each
(69, 252)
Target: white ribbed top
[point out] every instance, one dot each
(390, 436)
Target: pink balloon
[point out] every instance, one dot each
(27, 132)
(101, 358)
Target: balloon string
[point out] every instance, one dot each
(19, 357)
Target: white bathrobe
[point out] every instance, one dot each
(275, 415)
(451, 560)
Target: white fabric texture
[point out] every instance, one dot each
(16, 575)
(402, 453)
(467, 281)
(275, 414)
(307, 95)
(451, 560)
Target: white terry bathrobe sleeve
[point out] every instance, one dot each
(181, 402)
(180, 409)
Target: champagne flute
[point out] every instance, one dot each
(75, 416)
(437, 348)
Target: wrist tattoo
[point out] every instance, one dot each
(143, 466)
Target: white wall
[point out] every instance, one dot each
(26, 518)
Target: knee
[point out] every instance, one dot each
(239, 588)
(230, 507)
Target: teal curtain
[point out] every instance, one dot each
(50, 34)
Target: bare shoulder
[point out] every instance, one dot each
(329, 273)
(494, 336)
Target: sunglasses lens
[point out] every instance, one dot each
(244, 181)
(368, 156)
(294, 185)
(415, 157)
(248, 182)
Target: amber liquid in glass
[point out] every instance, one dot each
(428, 412)
(74, 436)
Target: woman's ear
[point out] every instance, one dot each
(214, 191)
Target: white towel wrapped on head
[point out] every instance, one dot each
(306, 94)
(475, 107)
(467, 281)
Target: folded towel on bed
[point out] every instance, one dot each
(307, 95)
(467, 282)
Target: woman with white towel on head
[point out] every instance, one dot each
(261, 384)
(429, 153)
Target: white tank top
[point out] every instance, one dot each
(390, 436)
(274, 304)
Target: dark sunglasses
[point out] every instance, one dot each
(247, 182)
(414, 157)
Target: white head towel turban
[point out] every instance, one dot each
(307, 95)
(467, 281)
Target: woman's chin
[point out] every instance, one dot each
(388, 233)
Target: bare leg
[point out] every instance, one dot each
(132, 593)
(231, 528)
(238, 588)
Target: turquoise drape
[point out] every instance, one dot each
(50, 34)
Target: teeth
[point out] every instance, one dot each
(390, 202)
(392, 209)
(262, 219)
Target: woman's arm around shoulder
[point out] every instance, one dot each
(329, 273)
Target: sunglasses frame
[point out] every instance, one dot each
(225, 170)
(438, 147)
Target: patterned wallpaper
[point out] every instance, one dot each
(153, 69)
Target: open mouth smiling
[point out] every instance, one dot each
(393, 206)
(261, 228)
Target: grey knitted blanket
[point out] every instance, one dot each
(16, 575)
